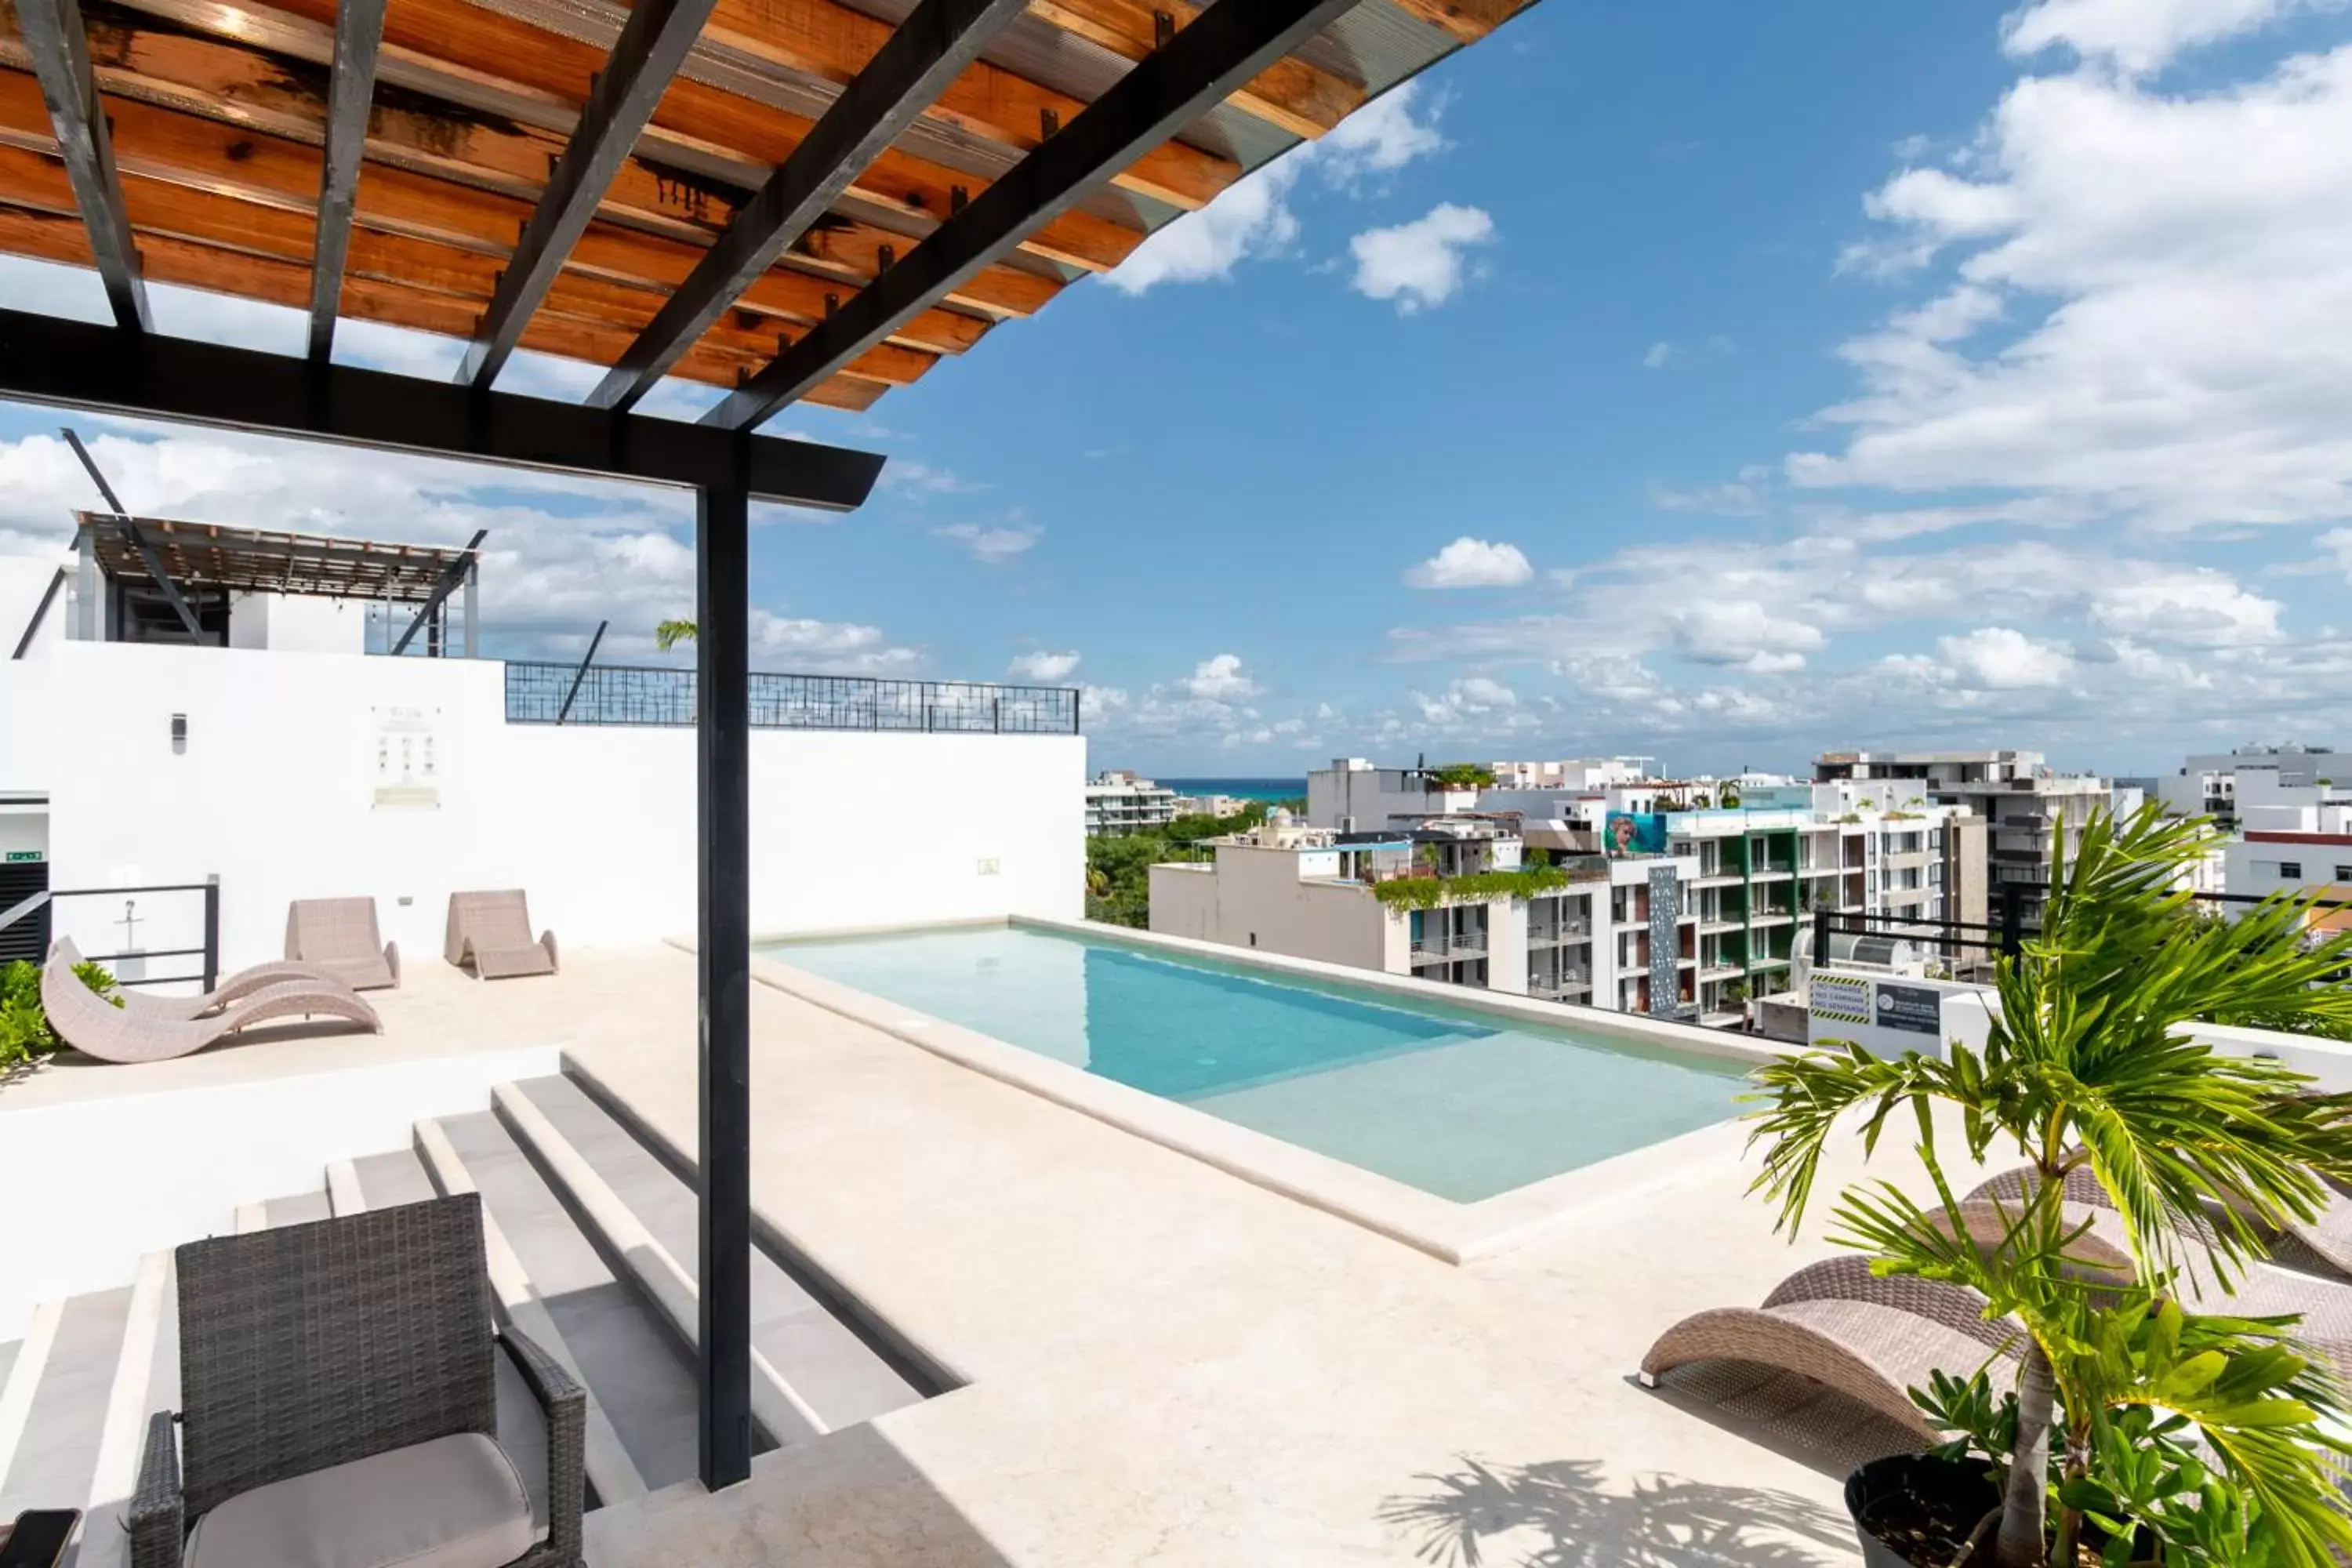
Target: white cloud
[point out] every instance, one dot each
(1380, 138)
(1043, 666)
(1420, 264)
(1742, 632)
(2147, 293)
(1102, 704)
(2192, 607)
(1220, 679)
(1665, 353)
(991, 545)
(1252, 218)
(1476, 702)
(1470, 562)
(829, 646)
(917, 481)
(2000, 659)
(2140, 34)
(1741, 496)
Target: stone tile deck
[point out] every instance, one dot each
(1165, 1365)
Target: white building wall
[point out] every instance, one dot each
(276, 792)
(1256, 898)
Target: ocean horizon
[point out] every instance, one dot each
(1243, 789)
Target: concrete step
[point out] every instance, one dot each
(297, 1208)
(73, 1409)
(387, 1181)
(811, 1373)
(551, 1283)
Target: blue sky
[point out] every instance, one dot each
(1716, 381)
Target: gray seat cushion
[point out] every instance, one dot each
(455, 1502)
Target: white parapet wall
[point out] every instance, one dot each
(317, 775)
(100, 1180)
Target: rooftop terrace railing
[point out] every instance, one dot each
(541, 693)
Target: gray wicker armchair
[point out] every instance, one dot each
(338, 1377)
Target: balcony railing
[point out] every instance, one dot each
(538, 693)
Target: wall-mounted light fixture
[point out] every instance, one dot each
(179, 734)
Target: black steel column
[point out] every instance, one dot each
(723, 956)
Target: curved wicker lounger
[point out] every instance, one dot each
(94, 1027)
(236, 988)
(1868, 1338)
(2265, 1290)
(2329, 1236)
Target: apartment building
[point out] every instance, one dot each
(1219, 806)
(2028, 808)
(2207, 784)
(1119, 802)
(1353, 794)
(2293, 839)
(1619, 935)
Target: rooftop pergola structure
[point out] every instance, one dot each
(789, 199)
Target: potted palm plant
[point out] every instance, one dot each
(2170, 1423)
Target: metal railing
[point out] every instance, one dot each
(542, 693)
(207, 976)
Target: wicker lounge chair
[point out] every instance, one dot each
(1871, 1339)
(492, 932)
(245, 982)
(2261, 1290)
(338, 1389)
(339, 936)
(152, 1029)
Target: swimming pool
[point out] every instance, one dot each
(1458, 1104)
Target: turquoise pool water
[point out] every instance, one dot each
(1445, 1099)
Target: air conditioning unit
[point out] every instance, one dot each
(1886, 952)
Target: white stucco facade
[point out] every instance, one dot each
(315, 774)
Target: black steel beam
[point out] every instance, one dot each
(929, 50)
(56, 37)
(129, 528)
(652, 46)
(451, 577)
(73, 364)
(33, 627)
(581, 673)
(723, 966)
(1220, 49)
(350, 92)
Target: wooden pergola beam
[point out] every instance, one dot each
(58, 46)
(1197, 68)
(563, 329)
(1289, 94)
(245, 62)
(225, 154)
(935, 43)
(651, 48)
(358, 34)
(1468, 20)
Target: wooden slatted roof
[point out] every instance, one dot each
(708, 189)
(265, 561)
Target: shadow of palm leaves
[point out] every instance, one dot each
(1562, 1515)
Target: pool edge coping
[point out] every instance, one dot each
(1455, 1233)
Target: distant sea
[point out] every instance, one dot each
(1245, 789)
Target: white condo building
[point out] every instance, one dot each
(2208, 785)
(2293, 839)
(1617, 934)
(2025, 804)
(1121, 802)
(1761, 855)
